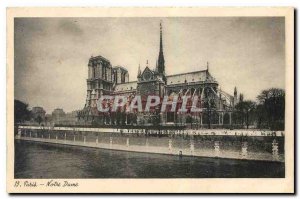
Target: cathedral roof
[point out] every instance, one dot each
(196, 76)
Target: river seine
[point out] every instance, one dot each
(42, 160)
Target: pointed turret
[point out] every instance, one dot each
(139, 71)
(235, 99)
(235, 91)
(207, 66)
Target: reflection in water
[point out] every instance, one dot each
(41, 160)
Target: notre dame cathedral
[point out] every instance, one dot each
(105, 79)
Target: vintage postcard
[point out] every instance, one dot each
(150, 100)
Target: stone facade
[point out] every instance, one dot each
(104, 79)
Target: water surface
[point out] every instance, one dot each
(45, 160)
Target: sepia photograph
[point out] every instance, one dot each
(133, 94)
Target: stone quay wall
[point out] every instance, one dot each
(220, 143)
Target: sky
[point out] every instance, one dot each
(51, 54)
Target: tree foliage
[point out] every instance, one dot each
(38, 119)
(22, 113)
(245, 110)
(271, 108)
(268, 112)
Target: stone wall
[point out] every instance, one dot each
(266, 147)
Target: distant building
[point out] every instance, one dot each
(58, 115)
(70, 118)
(61, 118)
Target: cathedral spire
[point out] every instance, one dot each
(161, 59)
(160, 44)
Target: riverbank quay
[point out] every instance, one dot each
(217, 143)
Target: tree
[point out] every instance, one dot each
(39, 119)
(22, 112)
(272, 104)
(245, 110)
(261, 116)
